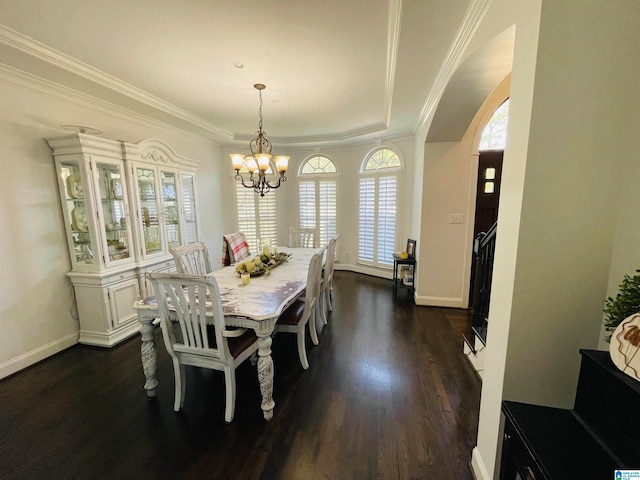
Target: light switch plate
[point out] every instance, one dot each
(456, 218)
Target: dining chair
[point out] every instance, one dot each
(326, 287)
(303, 311)
(203, 341)
(302, 237)
(192, 259)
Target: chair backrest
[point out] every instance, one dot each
(328, 264)
(302, 237)
(194, 302)
(234, 248)
(314, 280)
(192, 259)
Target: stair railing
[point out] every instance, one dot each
(484, 248)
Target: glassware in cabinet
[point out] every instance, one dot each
(149, 209)
(114, 211)
(76, 215)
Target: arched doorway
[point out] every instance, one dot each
(491, 152)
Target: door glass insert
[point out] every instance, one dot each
(189, 207)
(171, 211)
(149, 210)
(110, 183)
(77, 214)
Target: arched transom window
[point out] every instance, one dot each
(318, 196)
(378, 207)
(494, 135)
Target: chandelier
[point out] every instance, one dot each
(259, 159)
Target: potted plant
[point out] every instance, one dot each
(626, 303)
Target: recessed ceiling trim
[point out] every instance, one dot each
(473, 17)
(393, 42)
(334, 137)
(47, 54)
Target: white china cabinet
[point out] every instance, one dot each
(123, 206)
(163, 189)
(93, 191)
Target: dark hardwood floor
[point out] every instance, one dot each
(389, 395)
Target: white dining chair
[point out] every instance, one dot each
(326, 288)
(192, 259)
(303, 311)
(203, 341)
(302, 237)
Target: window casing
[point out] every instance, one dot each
(256, 215)
(318, 196)
(378, 206)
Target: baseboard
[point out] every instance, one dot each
(478, 468)
(34, 356)
(101, 339)
(440, 301)
(366, 270)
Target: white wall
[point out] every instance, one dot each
(37, 309)
(626, 251)
(570, 152)
(450, 177)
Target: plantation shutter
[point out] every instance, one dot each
(387, 195)
(267, 220)
(246, 209)
(327, 211)
(366, 224)
(307, 202)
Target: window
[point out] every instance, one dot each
(256, 215)
(378, 207)
(318, 196)
(494, 135)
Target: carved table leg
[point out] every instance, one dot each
(148, 351)
(265, 374)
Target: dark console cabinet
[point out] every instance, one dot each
(598, 436)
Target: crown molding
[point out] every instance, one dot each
(474, 15)
(13, 76)
(60, 60)
(393, 43)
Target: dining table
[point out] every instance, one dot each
(256, 305)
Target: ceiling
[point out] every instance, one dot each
(336, 71)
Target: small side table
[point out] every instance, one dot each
(397, 282)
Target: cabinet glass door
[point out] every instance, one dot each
(77, 212)
(114, 221)
(189, 207)
(149, 210)
(171, 208)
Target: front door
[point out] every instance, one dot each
(487, 199)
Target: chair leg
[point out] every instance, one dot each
(230, 387)
(322, 301)
(302, 351)
(313, 327)
(178, 378)
(329, 292)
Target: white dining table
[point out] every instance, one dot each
(256, 306)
